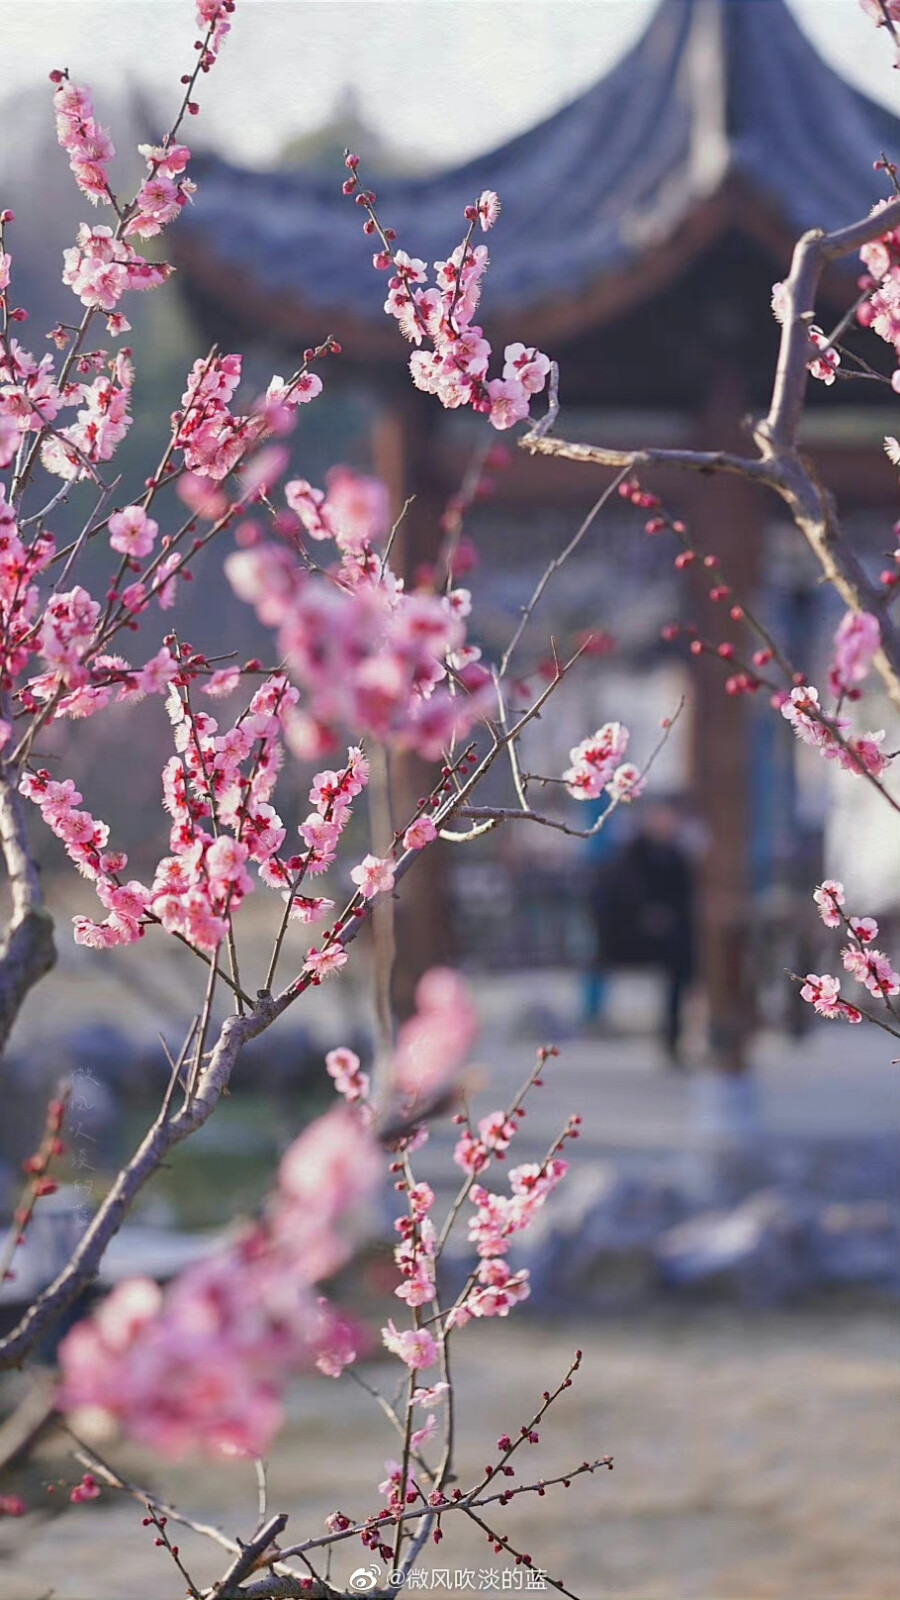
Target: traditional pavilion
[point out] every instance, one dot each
(642, 228)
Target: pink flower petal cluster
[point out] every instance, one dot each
(497, 1218)
(212, 439)
(881, 259)
(594, 762)
(204, 1364)
(415, 1252)
(823, 367)
(354, 511)
(488, 208)
(88, 146)
(213, 19)
(343, 1066)
(829, 897)
(857, 753)
(855, 643)
(473, 1151)
(102, 423)
(419, 834)
(626, 784)
(453, 365)
(87, 1489)
(416, 1347)
(881, 10)
(20, 566)
(368, 654)
(823, 994)
(132, 532)
(873, 969)
(30, 399)
(100, 268)
(85, 840)
(226, 779)
(373, 876)
(164, 191)
(29, 395)
(433, 1044)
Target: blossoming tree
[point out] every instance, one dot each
(360, 657)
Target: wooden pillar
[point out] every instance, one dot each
(727, 520)
(403, 454)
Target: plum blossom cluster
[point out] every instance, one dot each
(204, 1364)
(825, 365)
(214, 16)
(206, 1361)
(221, 778)
(856, 643)
(88, 146)
(353, 510)
(880, 311)
(869, 967)
(497, 1218)
(831, 736)
(101, 267)
(368, 654)
(597, 767)
(824, 995)
(214, 440)
(454, 363)
(164, 191)
(31, 400)
(433, 1045)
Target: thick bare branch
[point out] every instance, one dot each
(597, 455)
(248, 1559)
(812, 253)
(27, 951)
(164, 1134)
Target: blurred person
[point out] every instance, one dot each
(598, 851)
(643, 912)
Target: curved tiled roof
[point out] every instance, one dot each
(715, 90)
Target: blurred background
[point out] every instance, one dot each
(727, 1251)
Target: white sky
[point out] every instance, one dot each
(446, 78)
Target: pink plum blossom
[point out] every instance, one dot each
(419, 834)
(373, 876)
(416, 1347)
(829, 897)
(855, 644)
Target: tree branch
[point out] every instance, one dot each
(27, 951)
(597, 455)
(244, 1563)
(812, 253)
(164, 1134)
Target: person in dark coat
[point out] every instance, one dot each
(643, 911)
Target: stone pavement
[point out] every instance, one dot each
(834, 1087)
(756, 1458)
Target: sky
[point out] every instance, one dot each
(444, 79)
